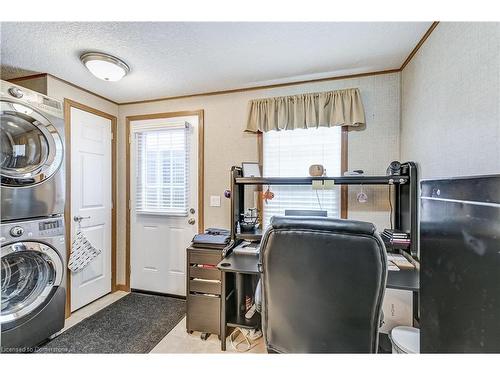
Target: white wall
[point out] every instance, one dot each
(371, 148)
(450, 121)
(58, 89)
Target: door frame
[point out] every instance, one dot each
(68, 104)
(201, 173)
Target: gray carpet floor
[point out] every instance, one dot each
(135, 323)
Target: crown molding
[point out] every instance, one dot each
(243, 89)
(419, 44)
(222, 92)
(263, 87)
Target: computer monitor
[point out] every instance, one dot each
(320, 213)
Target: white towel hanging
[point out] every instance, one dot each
(82, 252)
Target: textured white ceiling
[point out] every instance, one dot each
(171, 59)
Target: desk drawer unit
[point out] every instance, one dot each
(203, 290)
(210, 257)
(204, 273)
(203, 314)
(202, 286)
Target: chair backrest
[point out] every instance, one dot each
(323, 282)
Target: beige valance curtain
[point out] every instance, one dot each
(331, 108)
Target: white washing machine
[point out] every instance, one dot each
(33, 290)
(31, 154)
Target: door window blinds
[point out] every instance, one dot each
(289, 153)
(162, 169)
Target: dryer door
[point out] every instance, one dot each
(30, 271)
(31, 148)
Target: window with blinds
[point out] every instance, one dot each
(162, 168)
(289, 153)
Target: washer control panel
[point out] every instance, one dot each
(26, 97)
(16, 92)
(16, 231)
(39, 229)
(51, 227)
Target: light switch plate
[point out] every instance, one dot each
(215, 201)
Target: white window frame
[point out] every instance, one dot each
(140, 170)
(289, 191)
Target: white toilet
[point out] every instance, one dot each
(405, 340)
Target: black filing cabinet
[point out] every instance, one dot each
(203, 290)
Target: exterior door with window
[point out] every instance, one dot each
(164, 202)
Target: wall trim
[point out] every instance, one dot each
(24, 78)
(284, 84)
(344, 165)
(122, 287)
(68, 104)
(201, 174)
(83, 89)
(42, 75)
(419, 44)
(262, 87)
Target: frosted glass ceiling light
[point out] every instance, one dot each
(105, 67)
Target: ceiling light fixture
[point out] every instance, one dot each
(104, 66)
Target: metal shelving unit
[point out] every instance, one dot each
(238, 270)
(405, 197)
(344, 180)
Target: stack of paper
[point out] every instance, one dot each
(399, 261)
(247, 247)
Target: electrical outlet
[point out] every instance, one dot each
(317, 184)
(323, 184)
(328, 184)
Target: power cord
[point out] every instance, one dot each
(319, 202)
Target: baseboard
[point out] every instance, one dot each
(158, 293)
(122, 287)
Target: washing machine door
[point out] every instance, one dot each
(31, 149)
(30, 272)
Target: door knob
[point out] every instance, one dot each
(79, 219)
(191, 221)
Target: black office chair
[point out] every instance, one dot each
(323, 281)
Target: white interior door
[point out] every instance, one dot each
(91, 198)
(164, 202)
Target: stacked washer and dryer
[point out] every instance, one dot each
(32, 235)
